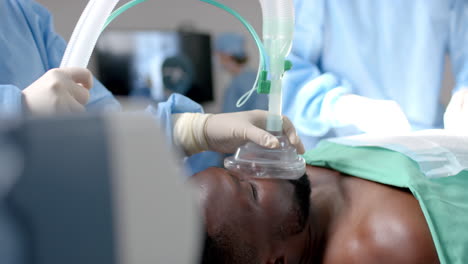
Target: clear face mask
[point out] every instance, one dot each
(255, 161)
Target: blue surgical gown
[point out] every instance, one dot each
(239, 85)
(391, 50)
(28, 48)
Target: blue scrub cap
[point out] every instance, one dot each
(231, 43)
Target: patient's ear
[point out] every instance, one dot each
(277, 253)
(277, 260)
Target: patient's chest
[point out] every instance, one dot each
(382, 225)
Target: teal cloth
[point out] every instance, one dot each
(444, 201)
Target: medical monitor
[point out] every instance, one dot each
(156, 63)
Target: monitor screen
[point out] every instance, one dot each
(156, 64)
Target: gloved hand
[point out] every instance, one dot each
(59, 90)
(226, 132)
(456, 114)
(370, 115)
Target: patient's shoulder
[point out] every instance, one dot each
(391, 239)
(386, 226)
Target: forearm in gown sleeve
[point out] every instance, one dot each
(309, 93)
(10, 100)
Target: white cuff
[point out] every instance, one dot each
(189, 132)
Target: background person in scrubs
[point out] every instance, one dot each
(231, 52)
(376, 66)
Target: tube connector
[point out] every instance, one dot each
(287, 65)
(264, 85)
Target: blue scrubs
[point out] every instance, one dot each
(391, 50)
(239, 85)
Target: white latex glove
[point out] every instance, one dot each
(59, 90)
(456, 114)
(226, 132)
(370, 115)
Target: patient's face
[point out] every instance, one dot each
(256, 211)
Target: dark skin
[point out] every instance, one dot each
(351, 220)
